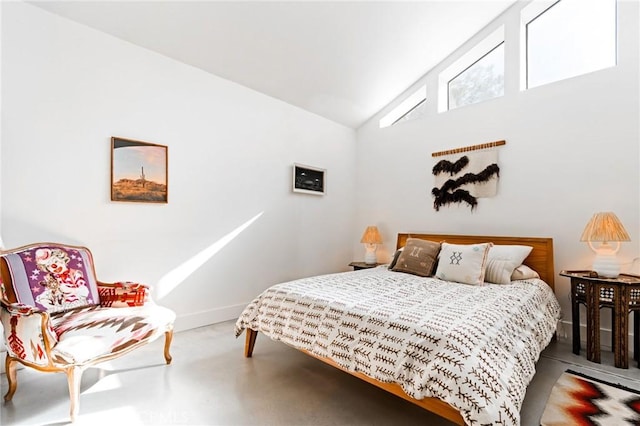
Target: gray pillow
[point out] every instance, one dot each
(418, 257)
(396, 255)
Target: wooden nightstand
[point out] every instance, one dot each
(622, 295)
(361, 265)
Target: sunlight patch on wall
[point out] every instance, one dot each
(175, 277)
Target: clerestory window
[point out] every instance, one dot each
(568, 39)
(477, 76)
(414, 106)
(483, 80)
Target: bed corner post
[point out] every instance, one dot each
(250, 342)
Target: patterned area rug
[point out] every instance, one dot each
(577, 399)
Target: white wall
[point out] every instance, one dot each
(68, 89)
(572, 150)
(2, 347)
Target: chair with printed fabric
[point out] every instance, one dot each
(57, 317)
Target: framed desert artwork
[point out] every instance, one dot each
(308, 180)
(138, 171)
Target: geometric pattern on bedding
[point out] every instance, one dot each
(474, 347)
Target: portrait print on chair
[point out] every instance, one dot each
(55, 278)
(58, 317)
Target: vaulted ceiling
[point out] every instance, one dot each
(343, 60)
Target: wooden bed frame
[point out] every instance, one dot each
(540, 259)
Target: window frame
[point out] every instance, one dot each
(467, 60)
(408, 105)
(467, 68)
(529, 14)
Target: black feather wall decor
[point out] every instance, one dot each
(445, 166)
(467, 178)
(463, 178)
(457, 196)
(449, 192)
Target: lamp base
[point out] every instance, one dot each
(370, 255)
(606, 265)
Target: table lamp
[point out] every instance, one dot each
(605, 227)
(371, 239)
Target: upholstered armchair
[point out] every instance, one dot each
(58, 317)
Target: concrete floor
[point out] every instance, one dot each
(211, 383)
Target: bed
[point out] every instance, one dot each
(464, 352)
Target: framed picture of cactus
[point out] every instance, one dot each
(138, 171)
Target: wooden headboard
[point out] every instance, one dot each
(540, 259)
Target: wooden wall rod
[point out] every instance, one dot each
(469, 148)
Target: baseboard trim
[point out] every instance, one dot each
(565, 331)
(208, 317)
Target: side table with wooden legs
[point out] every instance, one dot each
(622, 296)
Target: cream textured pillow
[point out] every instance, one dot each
(463, 263)
(523, 272)
(503, 260)
(418, 257)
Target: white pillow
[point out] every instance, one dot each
(523, 272)
(462, 263)
(503, 260)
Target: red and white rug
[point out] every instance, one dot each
(577, 399)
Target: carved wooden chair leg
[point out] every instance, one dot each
(10, 366)
(250, 342)
(168, 337)
(74, 375)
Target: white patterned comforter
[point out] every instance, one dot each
(474, 347)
